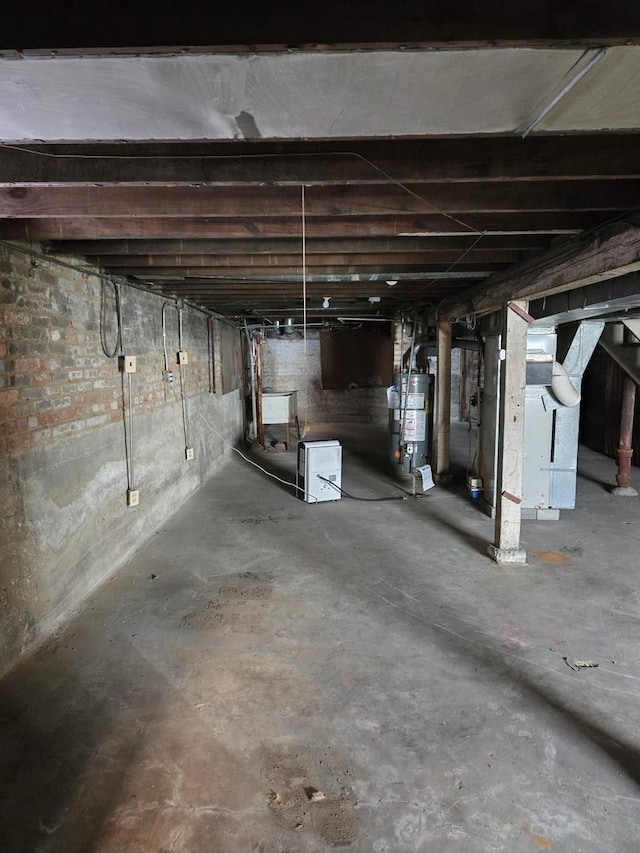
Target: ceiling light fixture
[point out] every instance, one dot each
(325, 301)
(393, 282)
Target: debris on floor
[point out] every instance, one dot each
(328, 812)
(577, 665)
(277, 447)
(314, 794)
(553, 556)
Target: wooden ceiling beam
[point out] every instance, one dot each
(276, 261)
(337, 299)
(314, 289)
(154, 202)
(131, 228)
(420, 293)
(407, 161)
(291, 246)
(271, 273)
(602, 257)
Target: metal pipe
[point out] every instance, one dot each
(363, 319)
(275, 330)
(164, 338)
(183, 378)
(185, 409)
(259, 395)
(252, 361)
(132, 479)
(212, 358)
(625, 449)
(582, 67)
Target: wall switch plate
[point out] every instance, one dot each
(133, 497)
(127, 363)
(183, 357)
(189, 453)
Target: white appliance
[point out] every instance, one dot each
(316, 460)
(279, 407)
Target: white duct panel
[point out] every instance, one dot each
(319, 473)
(565, 459)
(304, 94)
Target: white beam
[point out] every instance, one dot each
(278, 95)
(506, 546)
(443, 398)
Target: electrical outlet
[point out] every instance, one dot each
(167, 375)
(133, 497)
(127, 363)
(183, 357)
(189, 453)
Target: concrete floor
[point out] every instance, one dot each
(268, 675)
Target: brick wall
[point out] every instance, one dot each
(64, 522)
(286, 369)
(54, 376)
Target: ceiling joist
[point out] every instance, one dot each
(93, 227)
(598, 259)
(407, 161)
(452, 198)
(407, 155)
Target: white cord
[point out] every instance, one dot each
(304, 308)
(255, 464)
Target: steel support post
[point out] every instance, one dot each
(625, 449)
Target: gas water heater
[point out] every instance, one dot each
(411, 421)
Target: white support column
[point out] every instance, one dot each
(506, 547)
(443, 403)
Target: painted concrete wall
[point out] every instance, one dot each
(64, 523)
(284, 368)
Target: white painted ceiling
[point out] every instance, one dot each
(316, 94)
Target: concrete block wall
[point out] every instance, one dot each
(285, 368)
(64, 523)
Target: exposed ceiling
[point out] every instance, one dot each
(381, 177)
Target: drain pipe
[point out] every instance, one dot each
(132, 476)
(259, 394)
(625, 449)
(253, 429)
(183, 383)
